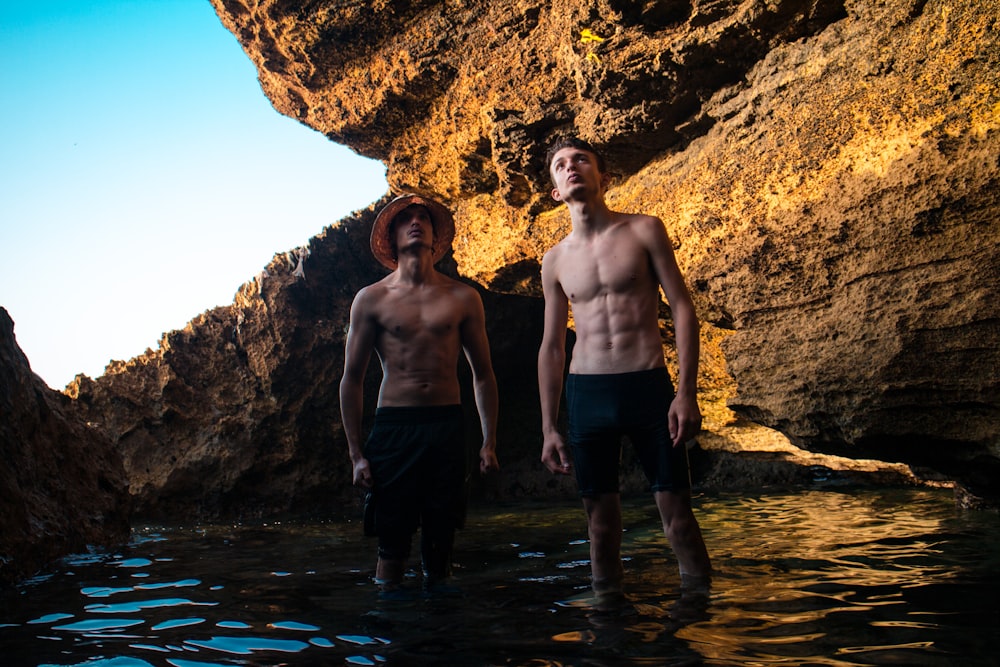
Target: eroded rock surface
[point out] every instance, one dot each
(828, 171)
(62, 483)
(238, 415)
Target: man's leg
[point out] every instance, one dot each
(435, 548)
(393, 553)
(389, 573)
(684, 534)
(604, 525)
(442, 503)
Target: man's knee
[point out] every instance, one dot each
(394, 547)
(675, 510)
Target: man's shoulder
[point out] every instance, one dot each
(638, 220)
(561, 247)
(372, 289)
(649, 230)
(370, 295)
(459, 289)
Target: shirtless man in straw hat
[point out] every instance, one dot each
(610, 269)
(418, 321)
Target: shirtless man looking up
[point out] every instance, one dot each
(418, 321)
(609, 269)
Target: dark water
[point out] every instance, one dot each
(894, 577)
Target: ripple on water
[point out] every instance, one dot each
(48, 619)
(184, 583)
(105, 591)
(363, 660)
(248, 645)
(177, 623)
(293, 625)
(140, 605)
(101, 625)
(359, 640)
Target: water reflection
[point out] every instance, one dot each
(811, 578)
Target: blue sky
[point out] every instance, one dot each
(144, 176)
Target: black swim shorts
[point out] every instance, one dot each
(417, 459)
(604, 408)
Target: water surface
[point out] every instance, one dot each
(849, 577)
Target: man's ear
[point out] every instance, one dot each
(606, 179)
(556, 195)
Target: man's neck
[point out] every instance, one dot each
(415, 268)
(589, 216)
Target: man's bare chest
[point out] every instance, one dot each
(410, 320)
(618, 269)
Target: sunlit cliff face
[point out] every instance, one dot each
(827, 174)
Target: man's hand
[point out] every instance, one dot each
(488, 460)
(555, 455)
(362, 474)
(684, 419)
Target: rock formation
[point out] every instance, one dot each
(827, 169)
(238, 414)
(62, 485)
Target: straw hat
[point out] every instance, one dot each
(441, 218)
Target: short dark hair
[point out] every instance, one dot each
(562, 142)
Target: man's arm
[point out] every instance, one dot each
(551, 364)
(685, 416)
(358, 350)
(484, 382)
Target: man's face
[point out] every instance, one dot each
(574, 171)
(412, 226)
